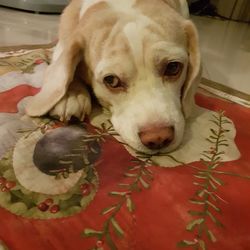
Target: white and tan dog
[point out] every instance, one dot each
(140, 57)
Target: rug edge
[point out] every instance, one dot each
(27, 47)
(221, 90)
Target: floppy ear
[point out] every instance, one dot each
(58, 76)
(194, 69)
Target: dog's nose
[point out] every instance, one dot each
(156, 137)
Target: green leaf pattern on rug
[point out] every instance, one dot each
(139, 178)
(206, 196)
(27, 62)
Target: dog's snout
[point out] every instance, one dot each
(156, 137)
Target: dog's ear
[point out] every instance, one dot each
(194, 69)
(58, 76)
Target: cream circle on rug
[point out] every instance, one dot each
(31, 177)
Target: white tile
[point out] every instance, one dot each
(225, 47)
(19, 27)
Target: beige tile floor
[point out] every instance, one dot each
(225, 48)
(225, 45)
(18, 27)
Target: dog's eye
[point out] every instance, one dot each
(112, 81)
(173, 69)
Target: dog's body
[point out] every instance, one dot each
(141, 59)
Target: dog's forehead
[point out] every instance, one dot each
(129, 28)
(149, 12)
(129, 5)
(120, 5)
(141, 36)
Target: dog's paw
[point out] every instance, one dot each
(76, 103)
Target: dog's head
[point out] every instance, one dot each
(143, 64)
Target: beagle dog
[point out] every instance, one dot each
(141, 59)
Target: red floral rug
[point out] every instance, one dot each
(76, 186)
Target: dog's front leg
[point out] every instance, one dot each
(75, 103)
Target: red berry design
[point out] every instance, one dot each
(49, 201)
(86, 189)
(56, 125)
(85, 192)
(43, 207)
(99, 243)
(10, 184)
(4, 189)
(39, 61)
(54, 209)
(84, 186)
(2, 181)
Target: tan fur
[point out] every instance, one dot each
(69, 19)
(194, 69)
(98, 36)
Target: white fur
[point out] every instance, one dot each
(150, 101)
(75, 103)
(57, 51)
(184, 8)
(118, 5)
(132, 31)
(148, 108)
(122, 5)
